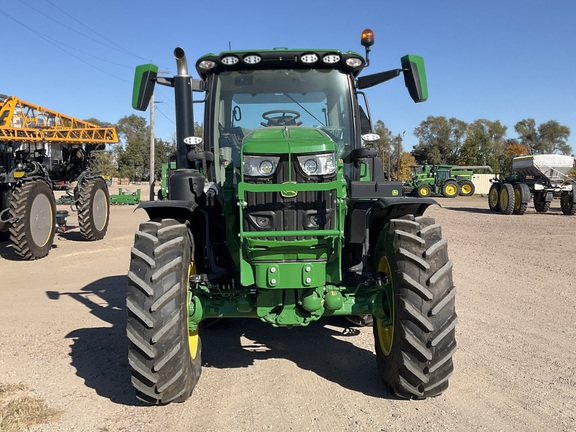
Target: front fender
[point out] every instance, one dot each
(392, 208)
(175, 209)
(395, 207)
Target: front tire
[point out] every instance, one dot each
(34, 207)
(163, 353)
(424, 191)
(93, 209)
(414, 349)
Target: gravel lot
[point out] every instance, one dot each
(63, 335)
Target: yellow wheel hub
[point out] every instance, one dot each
(504, 198)
(450, 190)
(517, 198)
(493, 197)
(193, 337)
(385, 332)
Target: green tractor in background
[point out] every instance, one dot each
(167, 169)
(442, 180)
(281, 213)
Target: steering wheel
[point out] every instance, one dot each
(286, 118)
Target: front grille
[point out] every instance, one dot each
(308, 210)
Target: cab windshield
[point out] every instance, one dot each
(248, 100)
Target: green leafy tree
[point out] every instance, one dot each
(198, 130)
(513, 148)
(470, 152)
(489, 138)
(384, 145)
(528, 134)
(439, 140)
(549, 137)
(103, 160)
(554, 138)
(134, 156)
(406, 162)
(104, 164)
(98, 122)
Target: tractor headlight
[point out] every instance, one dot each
(323, 164)
(260, 166)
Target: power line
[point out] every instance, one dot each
(55, 43)
(119, 48)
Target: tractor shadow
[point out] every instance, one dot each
(100, 354)
(468, 209)
(326, 348)
(529, 212)
(6, 251)
(72, 233)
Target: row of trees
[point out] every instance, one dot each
(131, 158)
(452, 141)
(441, 140)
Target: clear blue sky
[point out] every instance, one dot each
(501, 60)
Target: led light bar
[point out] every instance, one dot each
(309, 58)
(331, 58)
(230, 60)
(252, 59)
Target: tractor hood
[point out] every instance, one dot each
(288, 139)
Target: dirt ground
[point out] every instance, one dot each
(62, 333)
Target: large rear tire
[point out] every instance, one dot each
(521, 198)
(163, 353)
(507, 199)
(540, 203)
(467, 188)
(93, 209)
(34, 207)
(494, 197)
(450, 189)
(414, 350)
(567, 204)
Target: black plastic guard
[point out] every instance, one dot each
(180, 210)
(378, 189)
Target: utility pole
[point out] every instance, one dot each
(399, 149)
(152, 177)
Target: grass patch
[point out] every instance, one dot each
(19, 411)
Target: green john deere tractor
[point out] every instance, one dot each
(281, 213)
(443, 180)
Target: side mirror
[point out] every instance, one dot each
(144, 81)
(415, 77)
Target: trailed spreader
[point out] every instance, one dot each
(543, 177)
(281, 213)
